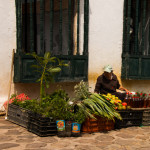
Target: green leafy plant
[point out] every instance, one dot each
(12, 96)
(81, 91)
(15, 101)
(53, 105)
(60, 93)
(57, 108)
(79, 116)
(47, 66)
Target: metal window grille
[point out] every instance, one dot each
(47, 25)
(52, 25)
(136, 40)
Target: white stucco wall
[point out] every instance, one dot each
(105, 37)
(7, 43)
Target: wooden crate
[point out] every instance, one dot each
(99, 125)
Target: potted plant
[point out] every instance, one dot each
(60, 110)
(78, 118)
(69, 117)
(47, 66)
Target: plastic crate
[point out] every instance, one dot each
(18, 115)
(42, 130)
(146, 113)
(129, 118)
(35, 123)
(146, 123)
(38, 119)
(146, 118)
(127, 123)
(42, 126)
(131, 114)
(101, 124)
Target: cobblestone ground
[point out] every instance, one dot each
(14, 137)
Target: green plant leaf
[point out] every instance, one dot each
(46, 82)
(45, 61)
(38, 80)
(47, 55)
(47, 85)
(53, 70)
(52, 59)
(66, 65)
(36, 66)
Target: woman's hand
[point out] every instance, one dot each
(124, 89)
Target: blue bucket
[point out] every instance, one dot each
(76, 127)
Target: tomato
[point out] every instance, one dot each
(124, 104)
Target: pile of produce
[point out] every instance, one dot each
(119, 105)
(94, 104)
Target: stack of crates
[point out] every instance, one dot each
(146, 117)
(42, 126)
(129, 118)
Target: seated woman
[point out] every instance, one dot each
(108, 83)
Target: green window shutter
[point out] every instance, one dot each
(51, 24)
(31, 27)
(41, 27)
(42, 6)
(136, 40)
(19, 25)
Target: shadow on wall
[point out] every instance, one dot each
(137, 85)
(33, 89)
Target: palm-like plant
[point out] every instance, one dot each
(93, 103)
(47, 66)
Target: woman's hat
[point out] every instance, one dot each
(108, 68)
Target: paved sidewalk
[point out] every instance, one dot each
(14, 137)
